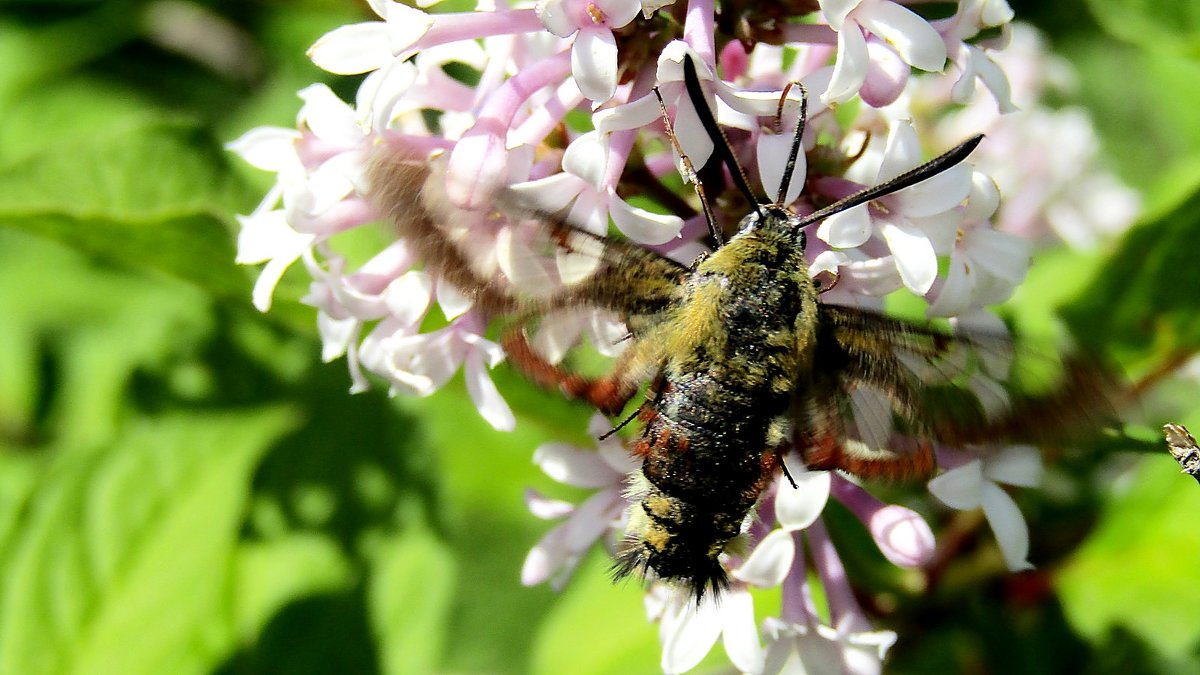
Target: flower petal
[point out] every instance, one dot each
(1019, 465)
(770, 561)
(689, 633)
(960, 487)
(1012, 534)
(887, 75)
(573, 466)
(485, 396)
(847, 229)
(935, 194)
(641, 225)
(916, 41)
(594, 63)
(902, 535)
(267, 148)
(914, 256)
(850, 68)
(797, 508)
(774, 152)
(587, 157)
(353, 49)
(740, 631)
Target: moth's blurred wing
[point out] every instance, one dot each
(884, 392)
(518, 258)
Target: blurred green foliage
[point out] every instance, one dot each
(185, 488)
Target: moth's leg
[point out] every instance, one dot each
(608, 393)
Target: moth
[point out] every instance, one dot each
(736, 358)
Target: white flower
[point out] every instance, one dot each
(588, 185)
(977, 484)
(606, 469)
(594, 52)
(688, 630)
(911, 218)
(917, 43)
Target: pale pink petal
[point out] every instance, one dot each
(573, 466)
(1019, 465)
(641, 225)
(887, 75)
(1004, 255)
(356, 48)
(914, 256)
(960, 487)
(863, 652)
(774, 152)
(552, 193)
(618, 13)
(995, 13)
(847, 229)
(797, 508)
(902, 535)
(740, 631)
(957, 291)
(408, 296)
(984, 198)
(406, 25)
(850, 68)
(992, 395)
(544, 558)
(688, 633)
(267, 148)
(827, 261)
(590, 520)
(330, 118)
(454, 302)
(336, 335)
(556, 17)
(594, 63)
(836, 11)
(545, 508)
(485, 396)
(770, 561)
(934, 194)
(587, 157)
(901, 153)
(917, 42)
(1006, 521)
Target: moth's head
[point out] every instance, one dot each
(774, 219)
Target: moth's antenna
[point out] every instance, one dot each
(692, 82)
(909, 178)
(796, 140)
(690, 174)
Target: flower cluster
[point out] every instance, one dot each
(560, 102)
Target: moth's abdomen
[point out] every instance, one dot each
(702, 474)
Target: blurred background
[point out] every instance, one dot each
(185, 487)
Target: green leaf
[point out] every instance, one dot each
(1137, 569)
(597, 627)
(124, 561)
(277, 571)
(1148, 288)
(1155, 24)
(155, 195)
(410, 594)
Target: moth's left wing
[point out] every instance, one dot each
(884, 392)
(518, 258)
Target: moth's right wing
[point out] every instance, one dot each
(518, 258)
